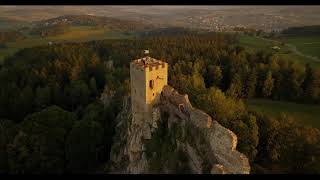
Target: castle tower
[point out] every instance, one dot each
(148, 76)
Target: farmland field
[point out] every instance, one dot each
(309, 114)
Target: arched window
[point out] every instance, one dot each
(181, 108)
(151, 84)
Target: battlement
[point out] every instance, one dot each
(148, 63)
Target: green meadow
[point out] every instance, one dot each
(306, 44)
(254, 44)
(305, 113)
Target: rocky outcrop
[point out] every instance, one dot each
(223, 144)
(218, 169)
(127, 154)
(210, 147)
(106, 96)
(119, 155)
(109, 65)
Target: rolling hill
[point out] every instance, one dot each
(98, 21)
(63, 24)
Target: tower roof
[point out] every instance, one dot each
(147, 62)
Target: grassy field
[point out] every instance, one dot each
(253, 44)
(309, 114)
(76, 34)
(308, 45)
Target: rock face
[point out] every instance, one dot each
(106, 96)
(209, 147)
(108, 64)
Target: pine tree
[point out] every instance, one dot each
(311, 85)
(43, 97)
(251, 84)
(214, 76)
(235, 89)
(26, 101)
(93, 87)
(268, 85)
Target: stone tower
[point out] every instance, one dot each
(148, 76)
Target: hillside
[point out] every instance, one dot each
(70, 28)
(9, 23)
(207, 17)
(50, 30)
(10, 36)
(111, 24)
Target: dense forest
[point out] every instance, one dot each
(51, 118)
(166, 31)
(304, 30)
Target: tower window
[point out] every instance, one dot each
(181, 108)
(151, 84)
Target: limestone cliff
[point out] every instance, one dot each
(177, 139)
(106, 96)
